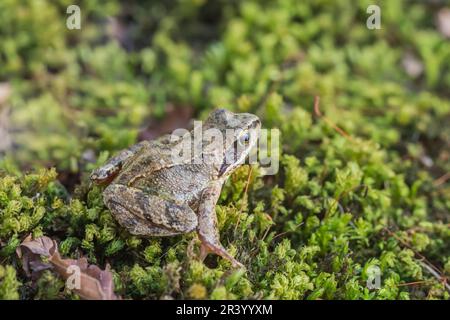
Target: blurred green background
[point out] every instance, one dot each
(137, 69)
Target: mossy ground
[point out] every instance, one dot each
(339, 204)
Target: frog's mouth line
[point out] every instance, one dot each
(238, 160)
(223, 168)
(226, 166)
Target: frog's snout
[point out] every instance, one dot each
(97, 176)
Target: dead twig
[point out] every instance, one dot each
(435, 274)
(267, 231)
(407, 284)
(286, 232)
(249, 176)
(328, 121)
(441, 180)
(425, 263)
(343, 194)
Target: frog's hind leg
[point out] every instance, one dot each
(134, 224)
(207, 226)
(144, 214)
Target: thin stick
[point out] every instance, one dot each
(250, 170)
(439, 277)
(441, 180)
(328, 121)
(435, 271)
(267, 230)
(286, 232)
(409, 247)
(412, 283)
(343, 194)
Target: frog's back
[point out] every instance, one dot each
(183, 183)
(153, 171)
(155, 154)
(134, 167)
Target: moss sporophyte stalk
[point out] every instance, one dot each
(359, 205)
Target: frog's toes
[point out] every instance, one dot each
(207, 247)
(104, 174)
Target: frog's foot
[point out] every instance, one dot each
(144, 214)
(207, 226)
(207, 247)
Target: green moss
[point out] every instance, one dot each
(9, 285)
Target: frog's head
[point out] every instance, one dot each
(240, 133)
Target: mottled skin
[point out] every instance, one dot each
(151, 195)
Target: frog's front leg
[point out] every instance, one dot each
(111, 168)
(207, 225)
(146, 214)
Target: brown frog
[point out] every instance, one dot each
(151, 194)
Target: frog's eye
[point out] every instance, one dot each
(245, 138)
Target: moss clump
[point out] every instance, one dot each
(9, 285)
(341, 203)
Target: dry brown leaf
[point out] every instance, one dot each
(443, 22)
(412, 65)
(94, 283)
(5, 138)
(175, 117)
(5, 92)
(30, 252)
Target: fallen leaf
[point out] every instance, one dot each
(30, 252)
(5, 136)
(5, 92)
(175, 117)
(412, 65)
(119, 31)
(93, 283)
(443, 22)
